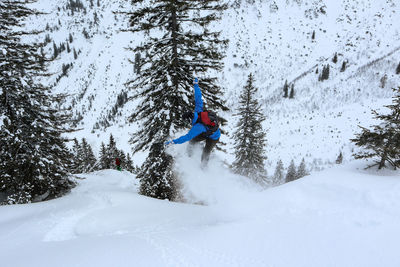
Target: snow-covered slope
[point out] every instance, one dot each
(270, 38)
(344, 216)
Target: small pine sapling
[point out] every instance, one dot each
(286, 89)
(343, 68)
(339, 159)
(291, 173)
(335, 58)
(291, 95)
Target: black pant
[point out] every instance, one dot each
(210, 144)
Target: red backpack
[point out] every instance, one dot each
(210, 120)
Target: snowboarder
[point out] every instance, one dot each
(118, 163)
(205, 127)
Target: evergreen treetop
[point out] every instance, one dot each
(291, 95)
(335, 58)
(286, 89)
(302, 170)
(343, 68)
(383, 140)
(291, 174)
(278, 177)
(178, 43)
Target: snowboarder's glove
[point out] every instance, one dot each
(168, 143)
(196, 81)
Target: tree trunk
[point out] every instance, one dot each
(383, 159)
(174, 30)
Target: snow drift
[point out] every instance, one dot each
(345, 216)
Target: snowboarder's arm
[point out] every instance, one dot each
(197, 97)
(195, 131)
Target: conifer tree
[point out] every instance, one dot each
(112, 152)
(335, 58)
(383, 140)
(88, 160)
(55, 50)
(343, 68)
(129, 164)
(104, 162)
(398, 69)
(178, 42)
(291, 95)
(313, 36)
(302, 170)
(325, 73)
(34, 160)
(249, 135)
(155, 183)
(339, 159)
(77, 157)
(278, 177)
(291, 174)
(286, 89)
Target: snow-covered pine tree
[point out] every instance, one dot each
(157, 178)
(88, 159)
(398, 69)
(55, 50)
(129, 164)
(178, 43)
(325, 73)
(302, 170)
(339, 159)
(34, 160)
(343, 68)
(383, 140)
(335, 58)
(77, 155)
(278, 177)
(291, 94)
(291, 174)
(112, 152)
(249, 135)
(286, 89)
(104, 163)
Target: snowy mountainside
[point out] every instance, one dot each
(344, 216)
(273, 40)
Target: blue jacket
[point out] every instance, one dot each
(197, 128)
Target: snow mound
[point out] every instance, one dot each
(345, 216)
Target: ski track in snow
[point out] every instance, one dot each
(65, 225)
